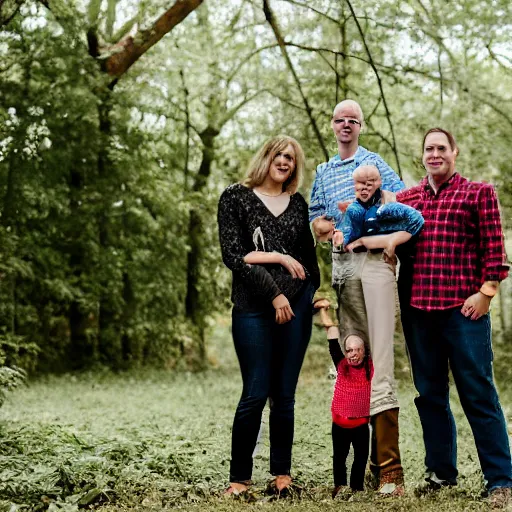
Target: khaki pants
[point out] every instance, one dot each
(365, 285)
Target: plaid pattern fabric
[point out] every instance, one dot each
(461, 244)
(334, 182)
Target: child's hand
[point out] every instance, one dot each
(343, 205)
(337, 238)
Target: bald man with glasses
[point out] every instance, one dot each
(364, 284)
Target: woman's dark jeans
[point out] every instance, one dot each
(270, 357)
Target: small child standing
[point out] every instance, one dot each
(350, 411)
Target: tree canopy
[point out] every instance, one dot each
(121, 121)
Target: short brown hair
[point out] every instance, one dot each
(449, 136)
(260, 164)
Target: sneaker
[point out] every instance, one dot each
(391, 483)
(437, 483)
(432, 484)
(500, 498)
(392, 490)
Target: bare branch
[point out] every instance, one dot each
(269, 15)
(127, 51)
(232, 111)
(388, 113)
(247, 58)
(306, 6)
(496, 58)
(8, 13)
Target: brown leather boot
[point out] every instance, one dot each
(385, 460)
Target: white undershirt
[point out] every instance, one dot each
(275, 204)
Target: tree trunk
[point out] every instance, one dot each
(195, 306)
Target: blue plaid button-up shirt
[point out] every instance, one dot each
(334, 183)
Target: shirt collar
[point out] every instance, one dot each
(357, 157)
(454, 180)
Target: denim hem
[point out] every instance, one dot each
(497, 486)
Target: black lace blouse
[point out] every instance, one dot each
(245, 225)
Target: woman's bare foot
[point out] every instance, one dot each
(282, 482)
(235, 488)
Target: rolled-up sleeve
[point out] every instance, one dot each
(491, 243)
(317, 204)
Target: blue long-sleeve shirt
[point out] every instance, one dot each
(334, 182)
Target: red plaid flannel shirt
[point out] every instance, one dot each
(461, 244)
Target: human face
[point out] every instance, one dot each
(354, 350)
(439, 157)
(346, 123)
(282, 165)
(366, 182)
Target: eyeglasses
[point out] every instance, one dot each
(342, 120)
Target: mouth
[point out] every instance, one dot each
(434, 164)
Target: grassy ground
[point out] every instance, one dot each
(160, 440)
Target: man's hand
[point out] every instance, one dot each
(323, 228)
(476, 306)
(388, 197)
(360, 242)
(283, 309)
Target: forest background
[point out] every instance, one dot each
(121, 122)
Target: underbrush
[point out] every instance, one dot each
(158, 440)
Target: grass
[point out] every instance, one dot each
(157, 440)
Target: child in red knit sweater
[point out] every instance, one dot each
(350, 410)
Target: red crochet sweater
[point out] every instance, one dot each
(351, 399)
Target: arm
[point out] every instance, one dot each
(233, 250)
(491, 252)
(277, 258)
(402, 222)
(353, 222)
(322, 227)
(492, 246)
(335, 351)
(380, 241)
(307, 247)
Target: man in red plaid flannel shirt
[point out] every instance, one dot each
(446, 286)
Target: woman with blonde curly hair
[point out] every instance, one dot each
(267, 243)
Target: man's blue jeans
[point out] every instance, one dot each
(435, 340)
(270, 357)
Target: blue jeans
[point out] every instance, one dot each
(270, 357)
(435, 340)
